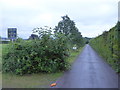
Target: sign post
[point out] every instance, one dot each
(12, 33)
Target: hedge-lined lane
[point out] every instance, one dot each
(107, 45)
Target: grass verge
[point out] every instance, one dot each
(40, 80)
(0, 66)
(74, 55)
(0, 57)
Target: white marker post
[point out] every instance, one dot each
(74, 48)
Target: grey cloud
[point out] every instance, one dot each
(86, 14)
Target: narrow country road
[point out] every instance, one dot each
(89, 71)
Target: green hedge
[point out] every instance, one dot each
(107, 45)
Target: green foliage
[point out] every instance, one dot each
(19, 39)
(108, 46)
(68, 28)
(86, 40)
(0, 57)
(47, 54)
(43, 31)
(74, 54)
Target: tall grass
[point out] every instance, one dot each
(0, 57)
(74, 54)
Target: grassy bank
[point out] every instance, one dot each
(74, 55)
(3, 50)
(41, 80)
(0, 56)
(0, 66)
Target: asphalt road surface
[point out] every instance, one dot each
(89, 71)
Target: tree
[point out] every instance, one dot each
(67, 27)
(19, 40)
(43, 31)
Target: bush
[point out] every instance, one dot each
(47, 54)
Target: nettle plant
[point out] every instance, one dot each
(47, 54)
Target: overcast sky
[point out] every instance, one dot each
(92, 17)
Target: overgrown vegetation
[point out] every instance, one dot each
(0, 57)
(44, 55)
(39, 80)
(108, 46)
(47, 53)
(74, 54)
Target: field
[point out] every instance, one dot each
(0, 56)
(0, 65)
(41, 80)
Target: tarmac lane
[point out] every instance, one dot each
(89, 71)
